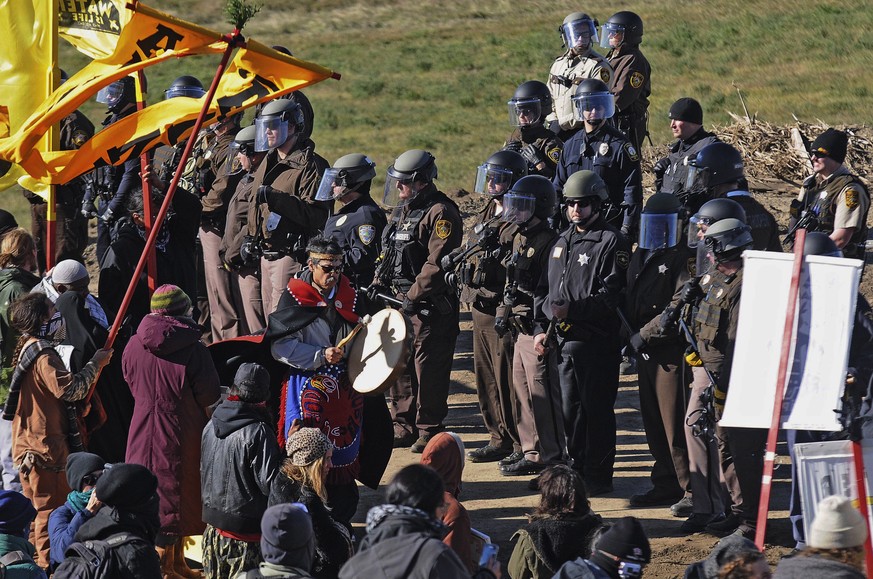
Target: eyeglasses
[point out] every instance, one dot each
(582, 203)
(330, 268)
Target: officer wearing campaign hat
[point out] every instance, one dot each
(686, 124)
(836, 197)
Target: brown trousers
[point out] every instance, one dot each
(247, 285)
(274, 279)
(47, 490)
(71, 232)
(707, 482)
(540, 422)
(223, 316)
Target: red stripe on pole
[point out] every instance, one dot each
(860, 480)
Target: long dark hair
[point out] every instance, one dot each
(27, 314)
(562, 492)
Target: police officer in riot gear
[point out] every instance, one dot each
(539, 146)
(528, 205)
(424, 227)
(632, 82)
(659, 267)
(717, 171)
(711, 211)
(686, 124)
(579, 62)
(358, 223)
(185, 86)
(603, 149)
(285, 213)
(586, 274)
(483, 275)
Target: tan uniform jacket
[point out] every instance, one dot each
(576, 69)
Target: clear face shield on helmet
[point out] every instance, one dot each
(616, 31)
(233, 164)
(110, 95)
(696, 228)
(697, 180)
(525, 112)
(659, 230)
(271, 132)
(579, 34)
(493, 180)
(194, 92)
(399, 190)
(594, 106)
(334, 185)
(517, 208)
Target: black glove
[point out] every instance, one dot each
(532, 155)
(108, 217)
(513, 146)
(89, 211)
(661, 167)
(691, 291)
(561, 79)
(637, 343)
(668, 322)
(410, 308)
(449, 262)
(501, 326)
(249, 251)
(264, 191)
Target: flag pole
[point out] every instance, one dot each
(52, 144)
(781, 377)
(152, 263)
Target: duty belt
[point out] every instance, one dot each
(521, 325)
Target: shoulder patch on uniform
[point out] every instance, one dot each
(636, 79)
(631, 152)
(367, 233)
(530, 252)
(622, 259)
(341, 220)
(443, 228)
(851, 197)
(554, 154)
(604, 75)
(557, 252)
(692, 267)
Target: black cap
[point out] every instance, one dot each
(687, 109)
(80, 465)
(626, 540)
(831, 143)
(126, 486)
(7, 222)
(252, 382)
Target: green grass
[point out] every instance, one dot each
(437, 75)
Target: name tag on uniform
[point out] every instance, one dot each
(403, 236)
(557, 252)
(273, 221)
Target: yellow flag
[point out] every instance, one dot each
(255, 75)
(149, 38)
(27, 55)
(92, 26)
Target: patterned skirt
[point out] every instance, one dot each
(224, 557)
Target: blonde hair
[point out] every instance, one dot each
(311, 475)
(16, 248)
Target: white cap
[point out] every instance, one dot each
(837, 525)
(69, 271)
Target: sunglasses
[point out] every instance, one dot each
(582, 203)
(330, 268)
(89, 480)
(818, 154)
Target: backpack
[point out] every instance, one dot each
(12, 559)
(94, 559)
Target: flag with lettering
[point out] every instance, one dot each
(92, 26)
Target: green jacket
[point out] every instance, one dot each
(525, 562)
(26, 569)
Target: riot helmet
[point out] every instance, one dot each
(530, 105)
(726, 239)
(593, 102)
(352, 172)
(273, 123)
(530, 196)
(578, 31)
(715, 164)
(500, 172)
(659, 222)
(185, 86)
(243, 143)
(118, 95)
(626, 23)
(820, 243)
(413, 166)
(710, 212)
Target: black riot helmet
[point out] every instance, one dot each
(715, 164)
(727, 239)
(530, 196)
(820, 243)
(502, 169)
(353, 172)
(530, 104)
(593, 101)
(185, 86)
(625, 22)
(659, 222)
(118, 95)
(710, 212)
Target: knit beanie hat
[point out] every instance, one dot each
(7, 222)
(170, 300)
(252, 381)
(80, 465)
(126, 486)
(831, 143)
(626, 540)
(306, 446)
(837, 525)
(16, 514)
(687, 109)
(287, 537)
(69, 271)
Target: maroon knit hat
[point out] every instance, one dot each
(170, 300)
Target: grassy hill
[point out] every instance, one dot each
(437, 75)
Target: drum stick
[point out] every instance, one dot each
(364, 321)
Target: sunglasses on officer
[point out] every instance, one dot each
(581, 203)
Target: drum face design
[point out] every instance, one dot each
(379, 352)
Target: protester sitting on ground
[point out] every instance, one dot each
(558, 530)
(302, 479)
(622, 551)
(287, 544)
(128, 520)
(404, 534)
(16, 553)
(445, 454)
(42, 406)
(725, 551)
(748, 565)
(239, 459)
(835, 546)
(83, 471)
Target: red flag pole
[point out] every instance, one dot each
(861, 482)
(152, 263)
(233, 40)
(781, 377)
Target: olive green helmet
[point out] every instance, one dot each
(585, 184)
(413, 166)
